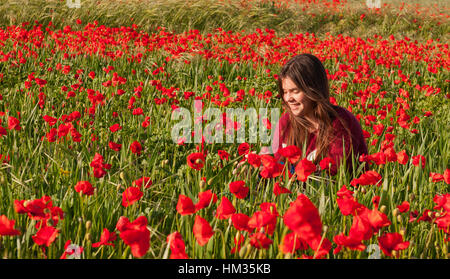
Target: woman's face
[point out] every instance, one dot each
(295, 98)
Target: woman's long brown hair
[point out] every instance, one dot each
(308, 73)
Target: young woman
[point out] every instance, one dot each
(311, 121)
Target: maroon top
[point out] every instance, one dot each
(335, 150)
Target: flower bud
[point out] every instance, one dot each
(122, 175)
(402, 232)
(383, 208)
(88, 225)
(202, 184)
(395, 212)
(412, 197)
(399, 218)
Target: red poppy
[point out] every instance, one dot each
(291, 243)
(45, 236)
(447, 176)
(205, 199)
(278, 190)
(115, 146)
(442, 202)
(85, 188)
(238, 241)
(136, 147)
(196, 160)
(292, 152)
(202, 230)
(243, 148)
(402, 157)
(185, 206)
(14, 123)
(349, 242)
(304, 168)
(436, 177)
(115, 127)
(177, 246)
(106, 238)
(392, 242)
(254, 160)
(131, 195)
(225, 209)
(239, 189)
(7, 226)
(144, 181)
(263, 219)
(327, 163)
(419, 160)
(271, 167)
(367, 178)
(260, 240)
(403, 207)
(303, 218)
(223, 154)
(135, 234)
(240, 222)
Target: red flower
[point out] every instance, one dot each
(238, 241)
(196, 160)
(403, 207)
(14, 123)
(45, 236)
(106, 238)
(278, 190)
(240, 222)
(204, 199)
(144, 181)
(346, 202)
(85, 188)
(202, 230)
(303, 218)
(271, 168)
(392, 242)
(442, 202)
(135, 234)
(223, 154)
(131, 195)
(291, 243)
(292, 152)
(419, 160)
(225, 209)
(239, 189)
(185, 206)
(447, 176)
(254, 160)
(327, 163)
(243, 148)
(115, 146)
(349, 242)
(402, 157)
(177, 246)
(260, 240)
(7, 226)
(136, 147)
(115, 127)
(263, 219)
(367, 178)
(304, 168)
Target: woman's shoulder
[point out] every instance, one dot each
(346, 115)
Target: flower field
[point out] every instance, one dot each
(89, 168)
